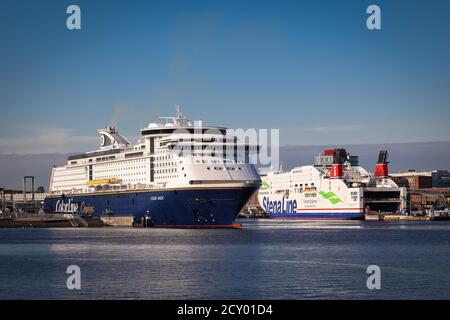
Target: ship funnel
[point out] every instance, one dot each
(337, 168)
(381, 169)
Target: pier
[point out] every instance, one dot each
(43, 221)
(398, 217)
(56, 220)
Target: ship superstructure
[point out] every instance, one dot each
(335, 187)
(178, 174)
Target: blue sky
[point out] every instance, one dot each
(310, 68)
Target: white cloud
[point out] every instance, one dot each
(47, 140)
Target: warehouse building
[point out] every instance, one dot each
(423, 179)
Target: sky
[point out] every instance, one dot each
(309, 68)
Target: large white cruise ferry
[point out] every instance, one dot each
(179, 175)
(335, 187)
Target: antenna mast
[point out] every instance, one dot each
(179, 114)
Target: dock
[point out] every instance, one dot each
(398, 217)
(51, 221)
(55, 220)
(43, 221)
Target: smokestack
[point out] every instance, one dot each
(381, 169)
(337, 171)
(337, 168)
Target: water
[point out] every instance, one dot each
(265, 260)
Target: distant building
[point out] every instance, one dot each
(423, 179)
(414, 179)
(441, 178)
(436, 183)
(19, 196)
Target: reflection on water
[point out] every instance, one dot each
(266, 259)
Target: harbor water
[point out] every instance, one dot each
(266, 259)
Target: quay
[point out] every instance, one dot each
(54, 220)
(398, 217)
(42, 221)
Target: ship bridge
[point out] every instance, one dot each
(179, 124)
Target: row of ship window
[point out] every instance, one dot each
(128, 162)
(165, 164)
(306, 185)
(166, 177)
(166, 157)
(165, 171)
(126, 180)
(120, 169)
(296, 189)
(221, 168)
(122, 175)
(134, 180)
(214, 161)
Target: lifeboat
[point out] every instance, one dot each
(103, 181)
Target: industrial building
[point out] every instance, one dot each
(423, 179)
(428, 189)
(413, 179)
(441, 178)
